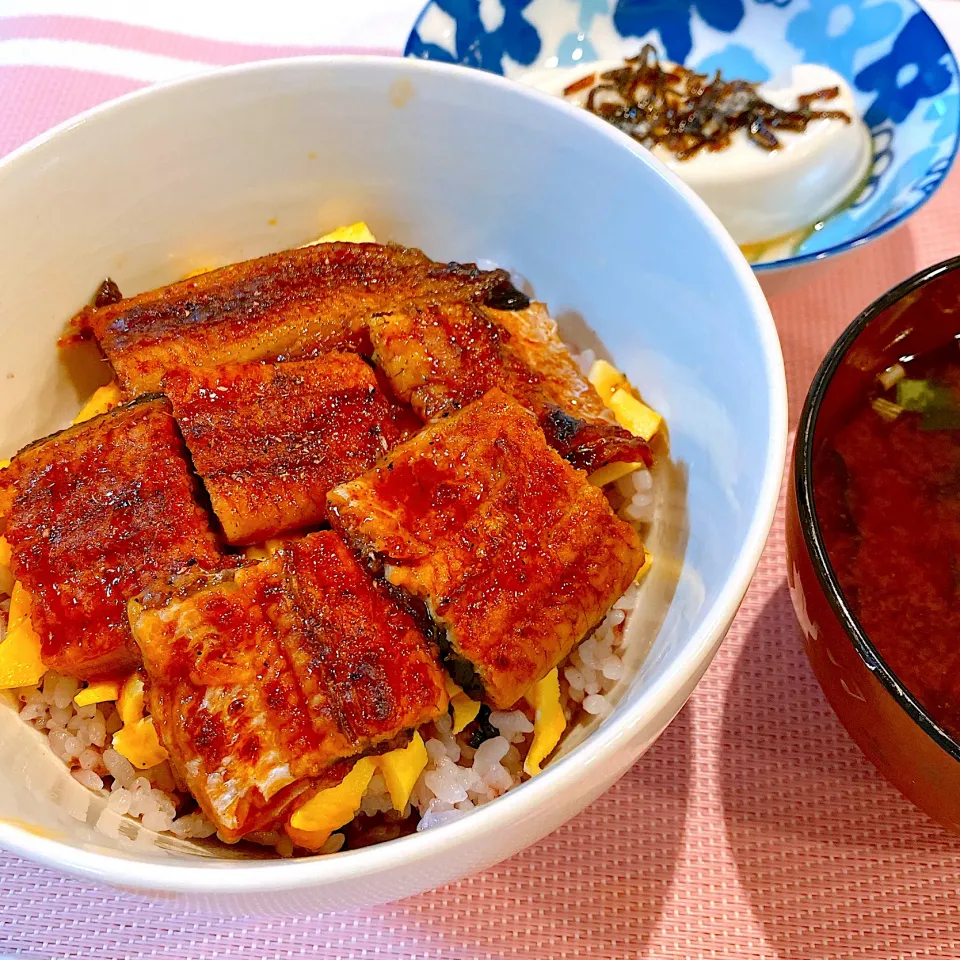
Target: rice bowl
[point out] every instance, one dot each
(692, 622)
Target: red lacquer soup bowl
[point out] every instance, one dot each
(873, 529)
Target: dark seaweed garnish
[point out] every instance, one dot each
(483, 729)
(685, 112)
(461, 671)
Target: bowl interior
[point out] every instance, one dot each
(898, 64)
(238, 163)
(913, 319)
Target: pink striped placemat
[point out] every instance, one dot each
(753, 829)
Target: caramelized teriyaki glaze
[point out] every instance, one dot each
(286, 305)
(269, 440)
(225, 702)
(100, 511)
(261, 679)
(441, 357)
(515, 554)
(359, 643)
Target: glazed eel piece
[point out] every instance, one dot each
(262, 681)
(96, 513)
(270, 439)
(438, 357)
(508, 550)
(297, 303)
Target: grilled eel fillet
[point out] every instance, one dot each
(270, 439)
(439, 357)
(508, 549)
(262, 680)
(286, 305)
(99, 511)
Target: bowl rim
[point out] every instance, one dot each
(610, 739)
(786, 263)
(809, 520)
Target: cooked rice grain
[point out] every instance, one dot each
(80, 737)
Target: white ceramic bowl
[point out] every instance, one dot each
(465, 165)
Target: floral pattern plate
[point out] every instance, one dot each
(899, 65)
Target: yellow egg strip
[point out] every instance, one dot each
(137, 739)
(104, 398)
(605, 378)
(20, 662)
(310, 826)
(140, 744)
(103, 691)
(19, 606)
(130, 701)
(634, 415)
(612, 472)
(645, 567)
(357, 232)
(401, 768)
(465, 710)
(616, 392)
(548, 723)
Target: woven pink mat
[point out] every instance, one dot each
(752, 829)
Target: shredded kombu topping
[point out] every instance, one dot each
(686, 112)
(482, 728)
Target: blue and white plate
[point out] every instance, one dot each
(893, 56)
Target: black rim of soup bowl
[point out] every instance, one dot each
(809, 521)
